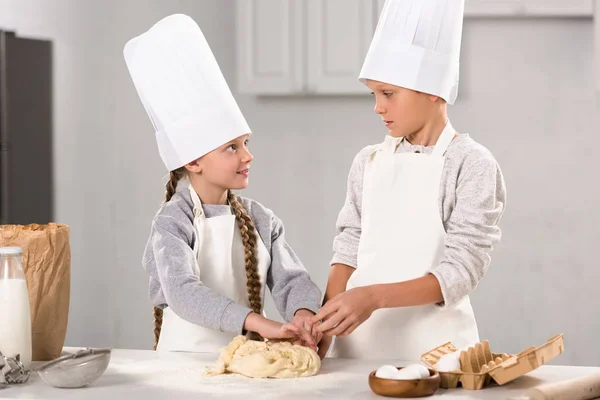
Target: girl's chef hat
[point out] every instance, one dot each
(183, 90)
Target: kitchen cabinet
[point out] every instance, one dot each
(379, 6)
(303, 46)
(270, 40)
(597, 43)
(339, 33)
(317, 47)
(529, 8)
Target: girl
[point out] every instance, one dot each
(422, 208)
(210, 253)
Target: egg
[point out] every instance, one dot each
(449, 362)
(413, 371)
(418, 368)
(387, 372)
(408, 373)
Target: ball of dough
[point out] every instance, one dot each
(387, 372)
(266, 360)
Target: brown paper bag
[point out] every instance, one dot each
(47, 266)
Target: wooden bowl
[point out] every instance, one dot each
(407, 387)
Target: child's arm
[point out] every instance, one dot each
(348, 223)
(471, 232)
(339, 274)
(170, 260)
(290, 284)
(336, 284)
(345, 244)
(472, 228)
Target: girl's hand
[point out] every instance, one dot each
(270, 329)
(303, 320)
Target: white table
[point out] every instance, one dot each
(147, 375)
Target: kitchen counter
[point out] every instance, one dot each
(148, 375)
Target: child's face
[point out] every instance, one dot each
(403, 111)
(228, 166)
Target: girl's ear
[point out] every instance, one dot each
(194, 166)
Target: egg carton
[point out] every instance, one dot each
(479, 366)
(476, 363)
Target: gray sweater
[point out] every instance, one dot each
(471, 201)
(169, 260)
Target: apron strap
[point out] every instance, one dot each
(198, 211)
(444, 140)
(390, 144)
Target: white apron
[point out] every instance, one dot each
(221, 267)
(402, 239)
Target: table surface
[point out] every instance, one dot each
(147, 375)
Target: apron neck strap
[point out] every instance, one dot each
(198, 210)
(444, 140)
(390, 144)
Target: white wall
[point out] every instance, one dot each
(526, 93)
(83, 146)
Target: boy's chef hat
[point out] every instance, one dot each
(417, 46)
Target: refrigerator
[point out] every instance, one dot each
(26, 169)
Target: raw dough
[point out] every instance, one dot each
(266, 360)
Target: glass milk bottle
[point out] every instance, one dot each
(15, 313)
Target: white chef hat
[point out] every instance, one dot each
(183, 90)
(417, 46)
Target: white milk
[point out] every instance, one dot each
(15, 320)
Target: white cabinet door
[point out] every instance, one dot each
(339, 34)
(533, 8)
(379, 7)
(269, 46)
(492, 7)
(597, 42)
(558, 7)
